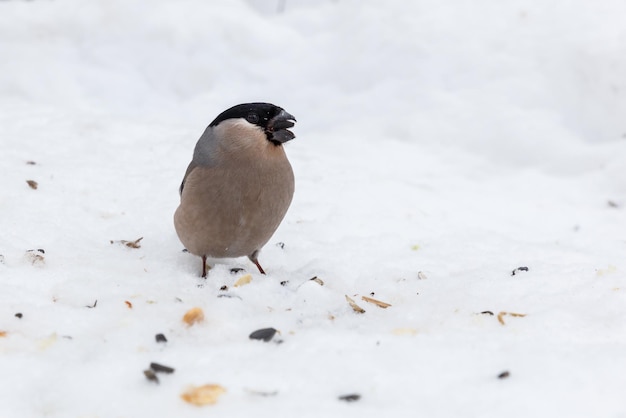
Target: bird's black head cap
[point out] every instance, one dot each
(274, 120)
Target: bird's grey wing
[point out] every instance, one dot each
(190, 168)
(204, 154)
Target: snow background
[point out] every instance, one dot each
(457, 139)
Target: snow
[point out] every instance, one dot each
(459, 139)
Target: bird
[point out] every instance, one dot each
(238, 185)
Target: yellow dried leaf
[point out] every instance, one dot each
(404, 331)
(354, 306)
(376, 302)
(609, 270)
(203, 395)
(243, 280)
(513, 314)
(47, 342)
(193, 316)
(3, 334)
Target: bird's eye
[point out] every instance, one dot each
(252, 117)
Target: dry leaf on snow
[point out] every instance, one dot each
(513, 314)
(376, 302)
(404, 331)
(243, 280)
(193, 315)
(354, 306)
(203, 395)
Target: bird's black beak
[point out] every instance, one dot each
(278, 127)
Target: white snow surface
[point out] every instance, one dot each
(457, 139)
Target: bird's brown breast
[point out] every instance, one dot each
(232, 210)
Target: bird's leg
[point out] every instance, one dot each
(254, 257)
(204, 267)
(256, 263)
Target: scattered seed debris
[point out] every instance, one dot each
(404, 331)
(229, 296)
(243, 280)
(354, 306)
(32, 184)
(129, 244)
(185, 250)
(160, 338)
(236, 270)
(193, 316)
(130, 305)
(504, 374)
(376, 302)
(47, 342)
(519, 269)
(353, 397)
(203, 395)
(513, 314)
(609, 270)
(19, 315)
(154, 369)
(486, 313)
(263, 393)
(317, 280)
(31, 162)
(421, 275)
(1, 259)
(280, 245)
(284, 283)
(92, 306)
(36, 256)
(151, 376)
(224, 288)
(159, 368)
(265, 334)
(612, 204)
